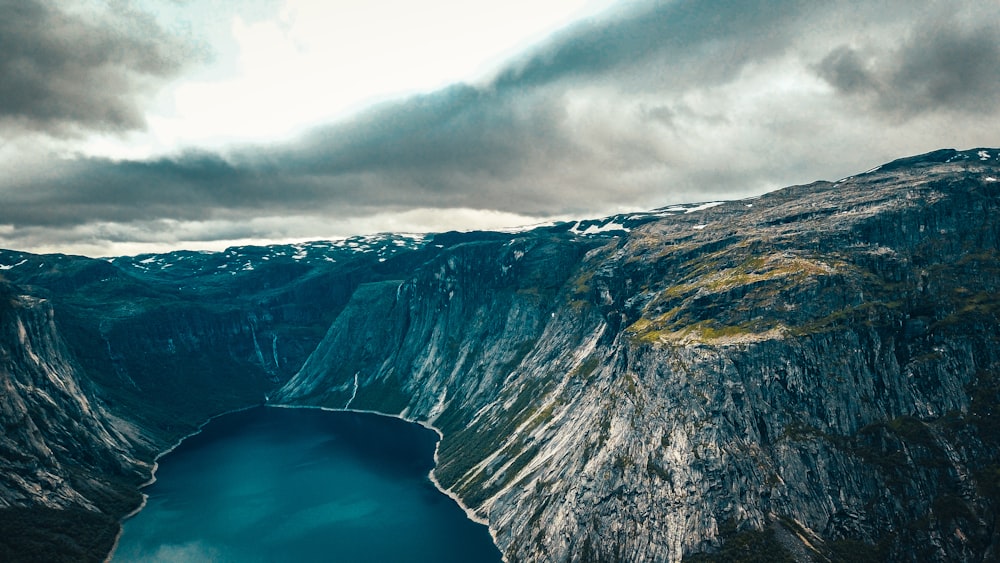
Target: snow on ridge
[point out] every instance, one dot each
(8, 267)
(523, 228)
(686, 208)
(704, 206)
(983, 155)
(595, 229)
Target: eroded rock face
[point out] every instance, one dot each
(55, 431)
(823, 357)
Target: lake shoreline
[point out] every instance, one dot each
(156, 465)
(469, 513)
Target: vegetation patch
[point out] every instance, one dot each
(853, 551)
(46, 534)
(645, 331)
(384, 395)
(748, 546)
(586, 369)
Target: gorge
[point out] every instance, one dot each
(813, 374)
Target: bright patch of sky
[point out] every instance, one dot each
(276, 67)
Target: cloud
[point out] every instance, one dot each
(671, 45)
(653, 104)
(846, 70)
(64, 72)
(110, 238)
(943, 64)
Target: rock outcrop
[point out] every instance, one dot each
(69, 464)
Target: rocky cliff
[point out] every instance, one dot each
(69, 465)
(810, 374)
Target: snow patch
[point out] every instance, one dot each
(983, 155)
(595, 229)
(525, 228)
(703, 206)
(6, 267)
(990, 179)
(686, 208)
(699, 227)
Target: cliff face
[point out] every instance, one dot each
(820, 364)
(68, 465)
(52, 424)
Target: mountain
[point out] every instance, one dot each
(808, 375)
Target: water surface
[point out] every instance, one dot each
(272, 484)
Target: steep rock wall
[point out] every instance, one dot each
(823, 358)
(68, 465)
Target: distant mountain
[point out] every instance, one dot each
(813, 374)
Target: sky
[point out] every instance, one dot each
(134, 126)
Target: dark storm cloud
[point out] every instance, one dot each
(845, 69)
(79, 191)
(942, 65)
(63, 73)
(459, 146)
(664, 44)
(447, 149)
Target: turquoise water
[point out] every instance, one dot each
(272, 484)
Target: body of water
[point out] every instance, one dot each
(273, 484)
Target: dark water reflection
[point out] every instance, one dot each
(272, 484)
